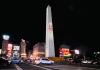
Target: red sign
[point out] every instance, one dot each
(64, 51)
(9, 50)
(9, 47)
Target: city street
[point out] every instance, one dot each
(49, 35)
(11, 67)
(28, 66)
(68, 67)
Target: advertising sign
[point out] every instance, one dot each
(64, 52)
(9, 50)
(9, 47)
(17, 48)
(15, 54)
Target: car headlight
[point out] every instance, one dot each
(9, 61)
(52, 61)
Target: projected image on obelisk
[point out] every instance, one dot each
(49, 49)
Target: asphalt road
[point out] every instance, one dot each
(68, 67)
(29, 66)
(25, 66)
(10, 67)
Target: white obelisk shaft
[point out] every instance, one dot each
(49, 47)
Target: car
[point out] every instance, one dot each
(97, 62)
(4, 62)
(43, 61)
(29, 60)
(16, 61)
(87, 62)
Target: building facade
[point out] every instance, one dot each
(23, 48)
(39, 50)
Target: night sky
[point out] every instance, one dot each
(71, 21)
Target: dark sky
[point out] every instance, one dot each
(71, 21)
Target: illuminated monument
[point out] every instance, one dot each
(49, 47)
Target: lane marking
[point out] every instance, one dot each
(42, 67)
(39, 66)
(59, 66)
(17, 67)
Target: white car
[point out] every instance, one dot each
(44, 61)
(86, 62)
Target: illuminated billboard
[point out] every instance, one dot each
(9, 47)
(77, 52)
(17, 48)
(64, 52)
(9, 50)
(16, 54)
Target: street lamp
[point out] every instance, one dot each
(6, 37)
(98, 52)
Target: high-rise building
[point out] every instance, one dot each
(5, 44)
(23, 48)
(39, 50)
(49, 47)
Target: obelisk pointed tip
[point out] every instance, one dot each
(48, 6)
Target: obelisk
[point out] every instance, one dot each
(49, 47)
